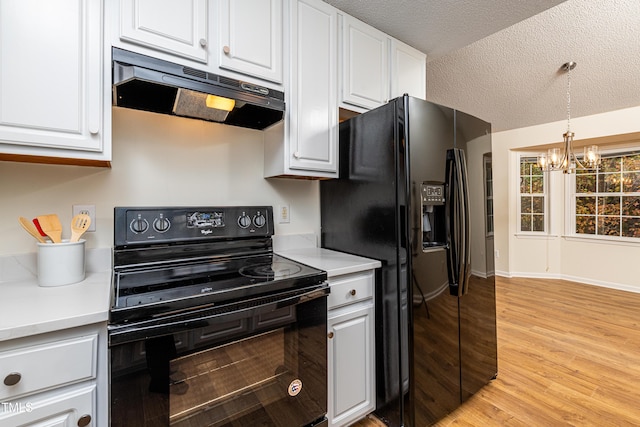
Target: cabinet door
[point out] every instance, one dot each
(251, 37)
(365, 64)
(313, 109)
(176, 27)
(71, 408)
(51, 76)
(350, 365)
(408, 71)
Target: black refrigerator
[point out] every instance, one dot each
(414, 191)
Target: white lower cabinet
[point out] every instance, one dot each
(351, 348)
(54, 379)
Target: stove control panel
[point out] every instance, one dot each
(150, 225)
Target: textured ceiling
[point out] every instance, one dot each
(500, 59)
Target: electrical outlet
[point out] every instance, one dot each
(284, 214)
(89, 210)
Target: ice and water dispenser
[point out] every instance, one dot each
(433, 215)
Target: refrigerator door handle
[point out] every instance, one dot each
(457, 223)
(451, 223)
(464, 214)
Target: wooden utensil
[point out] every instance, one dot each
(79, 225)
(52, 227)
(37, 224)
(31, 229)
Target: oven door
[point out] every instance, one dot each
(257, 364)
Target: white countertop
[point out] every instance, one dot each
(28, 309)
(333, 262)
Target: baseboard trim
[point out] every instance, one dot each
(588, 281)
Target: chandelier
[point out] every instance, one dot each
(565, 159)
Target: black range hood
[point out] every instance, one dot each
(150, 84)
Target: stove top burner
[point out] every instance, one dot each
(169, 260)
(270, 271)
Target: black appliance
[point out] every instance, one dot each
(403, 197)
(209, 327)
(150, 84)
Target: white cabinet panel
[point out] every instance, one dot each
(305, 144)
(51, 68)
(408, 71)
(251, 37)
(365, 64)
(49, 365)
(176, 27)
(314, 110)
(64, 409)
(350, 366)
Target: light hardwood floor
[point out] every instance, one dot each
(568, 355)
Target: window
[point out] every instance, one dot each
(607, 201)
(531, 196)
(488, 194)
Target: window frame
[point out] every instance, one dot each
(572, 214)
(545, 198)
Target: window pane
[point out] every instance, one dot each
(609, 205)
(609, 225)
(537, 184)
(525, 185)
(525, 222)
(611, 164)
(608, 183)
(538, 222)
(631, 163)
(586, 183)
(631, 205)
(631, 227)
(585, 205)
(525, 204)
(538, 205)
(586, 224)
(631, 182)
(489, 207)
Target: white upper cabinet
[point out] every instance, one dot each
(51, 82)
(364, 64)
(408, 71)
(306, 143)
(251, 37)
(175, 27)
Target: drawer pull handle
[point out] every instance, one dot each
(203, 42)
(330, 335)
(226, 50)
(12, 379)
(353, 292)
(84, 420)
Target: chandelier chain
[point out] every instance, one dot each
(569, 98)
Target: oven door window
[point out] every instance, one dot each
(267, 369)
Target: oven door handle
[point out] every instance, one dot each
(120, 334)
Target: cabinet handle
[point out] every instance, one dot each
(330, 335)
(296, 154)
(226, 49)
(12, 379)
(203, 43)
(353, 292)
(84, 420)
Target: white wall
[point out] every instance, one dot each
(157, 160)
(595, 262)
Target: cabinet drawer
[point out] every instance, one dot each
(28, 370)
(350, 288)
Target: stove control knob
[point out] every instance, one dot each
(161, 224)
(139, 225)
(259, 220)
(244, 220)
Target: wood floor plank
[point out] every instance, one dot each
(568, 355)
